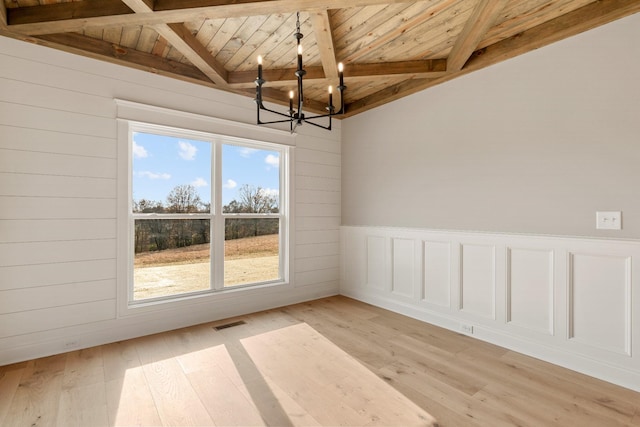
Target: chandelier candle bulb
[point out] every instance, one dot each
(299, 56)
(341, 73)
(291, 102)
(259, 67)
(330, 98)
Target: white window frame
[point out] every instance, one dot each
(134, 117)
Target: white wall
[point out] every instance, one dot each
(513, 157)
(536, 144)
(58, 180)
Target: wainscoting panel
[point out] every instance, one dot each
(571, 301)
(436, 263)
(376, 262)
(530, 289)
(478, 281)
(600, 301)
(403, 267)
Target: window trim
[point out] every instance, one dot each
(146, 118)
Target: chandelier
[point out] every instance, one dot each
(297, 117)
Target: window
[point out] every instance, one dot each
(207, 213)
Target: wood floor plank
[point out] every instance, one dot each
(129, 400)
(118, 358)
(226, 404)
(128, 396)
(83, 367)
(82, 406)
(83, 399)
(9, 381)
(37, 399)
(176, 400)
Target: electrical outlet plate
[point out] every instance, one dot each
(609, 220)
(466, 329)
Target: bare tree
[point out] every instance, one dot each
(184, 199)
(251, 199)
(147, 206)
(255, 199)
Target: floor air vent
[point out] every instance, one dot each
(229, 325)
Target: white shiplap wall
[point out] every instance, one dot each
(58, 221)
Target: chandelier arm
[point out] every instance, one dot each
(320, 126)
(276, 121)
(276, 112)
(319, 116)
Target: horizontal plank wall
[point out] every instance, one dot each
(58, 234)
(569, 301)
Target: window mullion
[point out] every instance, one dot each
(217, 259)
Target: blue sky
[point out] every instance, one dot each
(162, 162)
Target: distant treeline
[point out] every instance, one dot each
(160, 234)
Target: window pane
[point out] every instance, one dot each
(251, 251)
(172, 256)
(170, 174)
(250, 180)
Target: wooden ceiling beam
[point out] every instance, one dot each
(78, 16)
(259, 7)
(426, 69)
(3, 15)
(186, 43)
(415, 69)
(481, 20)
(324, 38)
(75, 11)
(583, 19)
(178, 36)
(281, 76)
(105, 51)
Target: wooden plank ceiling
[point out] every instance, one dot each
(390, 48)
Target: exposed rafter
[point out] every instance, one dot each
(483, 17)
(324, 38)
(3, 15)
(87, 46)
(181, 38)
(415, 69)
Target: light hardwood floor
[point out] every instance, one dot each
(334, 361)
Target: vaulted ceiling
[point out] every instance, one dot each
(390, 48)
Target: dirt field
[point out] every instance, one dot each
(176, 271)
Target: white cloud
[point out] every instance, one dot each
(273, 161)
(199, 182)
(139, 152)
(153, 175)
(187, 150)
(230, 184)
(246, 152)
(271, 191)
